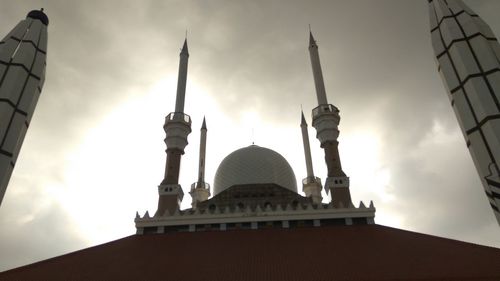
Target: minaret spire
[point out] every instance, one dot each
(177, 127)
(307, 148)
(317, 73)
(326, 120)
(311, 185)
(181, 79)
(203, 146)
(200, 190)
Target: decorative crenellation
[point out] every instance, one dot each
(468, 57)
(22, 75)
(264, 215)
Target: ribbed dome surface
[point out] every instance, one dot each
(253, 165)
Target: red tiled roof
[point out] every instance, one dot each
(361, 252)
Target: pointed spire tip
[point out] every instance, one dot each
(185, 47)
(303, 119)
(312, 41)
(204, 125)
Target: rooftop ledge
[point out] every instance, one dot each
(188, 220)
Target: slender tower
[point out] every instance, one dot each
(22, 74)
(326, 120)
(468, 57)
(311, 185)
(200, 190)
(177, 127)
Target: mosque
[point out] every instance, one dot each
(254, 187)
(254, 225)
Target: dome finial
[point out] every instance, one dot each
(39, 15)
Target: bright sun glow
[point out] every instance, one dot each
(123, 158)
(112, 162)
(370, 180)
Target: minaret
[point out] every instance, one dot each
(468, 57)
(326, 120)
(200, 190)
(177, 127)
(22, 74)
(311, 185)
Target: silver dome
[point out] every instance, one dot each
(254, 164)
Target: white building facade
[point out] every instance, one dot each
(22, 74)
(468, 57)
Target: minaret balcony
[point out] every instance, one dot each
(199, 184)
(171, 189)
(177, 127)
(324, 109)
(311, 186)
(178, 117)
(200, 191)
(336, 182)
(325, 119)
(310, 180)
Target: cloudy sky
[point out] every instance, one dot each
(94, 153)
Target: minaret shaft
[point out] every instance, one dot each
(332, 159)
(307, 150)
(172, 167)
(317, 73)
(203, 147)
(181, 83)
